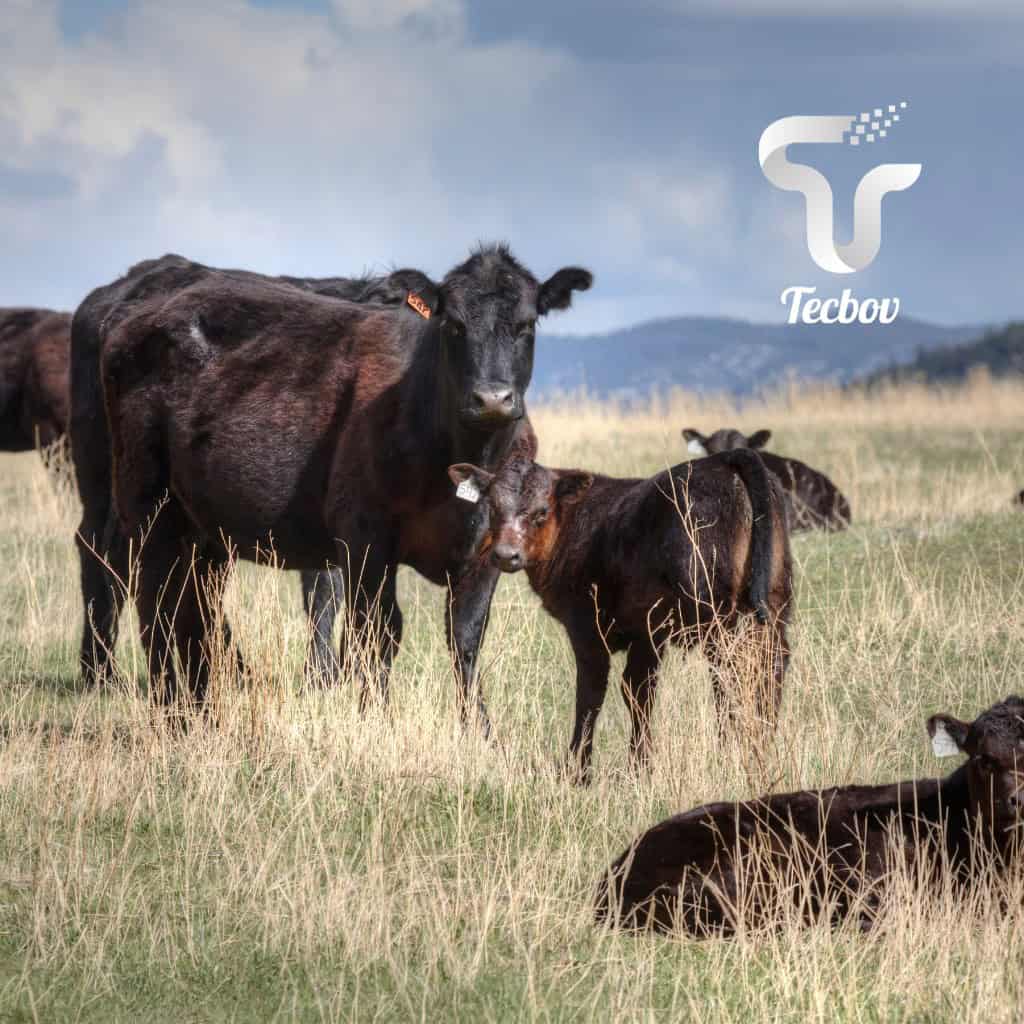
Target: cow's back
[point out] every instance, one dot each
(247, 389)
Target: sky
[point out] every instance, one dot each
(328, 137)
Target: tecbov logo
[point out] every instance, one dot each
(784, 173)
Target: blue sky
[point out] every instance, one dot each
(332, 136)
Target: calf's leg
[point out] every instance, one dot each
(592, 664)
(639, 683)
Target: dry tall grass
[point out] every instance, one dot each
(301, 862)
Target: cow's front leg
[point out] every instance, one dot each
(376, 622)
(469, 606)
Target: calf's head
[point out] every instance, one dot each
(723, 440)
(526, 504)
(994, 745)
(488, 315)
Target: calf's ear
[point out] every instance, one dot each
(948, 735)
(556, 291)
(759, 439)
(470, 481)
(571, 486)
(696, 442)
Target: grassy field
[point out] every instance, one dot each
(299, 862)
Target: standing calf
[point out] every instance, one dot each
(829, 850)
(633, 565)
(813, 501)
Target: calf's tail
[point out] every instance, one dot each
(751, 470)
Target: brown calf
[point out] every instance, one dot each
(829, 850)
(33, 378)
(635, 565)
(813, 501)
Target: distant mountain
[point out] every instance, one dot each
(719, 354)
(1002, 351)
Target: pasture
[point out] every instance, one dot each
(299, 862)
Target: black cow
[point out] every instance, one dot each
(102, 544)
(828, 851)
(33, 378)
(814, 501)
(684, 557)
(321, 429)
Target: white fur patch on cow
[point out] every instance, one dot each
(943, 745)
(468, 491)
(694, 447)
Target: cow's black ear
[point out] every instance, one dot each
(759, 439)
(556, 291)
(395, 289)
(572, 485)
(949, 735)
(696, 442)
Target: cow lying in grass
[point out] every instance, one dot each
(814, 501)
(829, 850)
(633, 565)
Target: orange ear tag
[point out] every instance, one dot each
(416, 303)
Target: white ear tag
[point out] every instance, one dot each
(468, 491)
(694, 447)
(943, 745)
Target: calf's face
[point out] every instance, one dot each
(723, 440)
(489, 311)
(526, 505)
(994, 745)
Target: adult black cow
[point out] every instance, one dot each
(286, 420)
(33, 378)
(102, 544)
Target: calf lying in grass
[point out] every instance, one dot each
(827, 852)
(689, 556)
(814, 502)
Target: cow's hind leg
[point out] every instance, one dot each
(180, 587)
(104, 568)
(321, 593)
(747, 668)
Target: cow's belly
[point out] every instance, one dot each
(261, 491)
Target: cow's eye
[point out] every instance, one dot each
(539, 516)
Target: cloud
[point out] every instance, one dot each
(846, 9)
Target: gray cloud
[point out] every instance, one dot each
(359, 134)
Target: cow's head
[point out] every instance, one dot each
(526, 504)
(488, 314)
(723, 440)
(994, 745)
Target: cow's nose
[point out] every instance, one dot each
(507, 558)
(494, 401)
